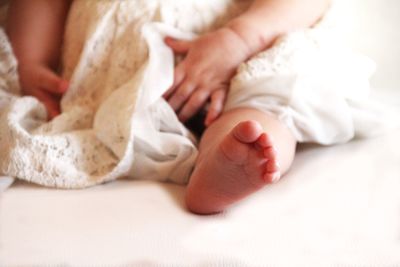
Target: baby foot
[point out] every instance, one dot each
(241, 164)
(252, 150)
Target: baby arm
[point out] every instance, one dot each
(211, 60)
(35, 29)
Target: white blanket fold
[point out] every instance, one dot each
(80, 148)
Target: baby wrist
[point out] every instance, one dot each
(257, 37)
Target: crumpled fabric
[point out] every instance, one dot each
(315, 85)
(132, 131)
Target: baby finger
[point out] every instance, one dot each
(51, 82)
(216, 106)
(181, 95)
(179, 76)
(178, 46)
(195, 103)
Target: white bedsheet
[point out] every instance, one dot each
(339, 206)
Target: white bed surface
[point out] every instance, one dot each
(339, 206)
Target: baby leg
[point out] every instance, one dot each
(239, 153)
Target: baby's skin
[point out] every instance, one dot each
(35, 29)
(241, 150)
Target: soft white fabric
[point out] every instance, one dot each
(313, 84)
(81, 147)
(115, 122)
(338, 206)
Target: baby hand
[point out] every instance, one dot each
(41, 82)
(205, 73)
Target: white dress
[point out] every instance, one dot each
(114, 122)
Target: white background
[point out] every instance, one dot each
(373, 28)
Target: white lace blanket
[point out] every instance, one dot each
(81, 148)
